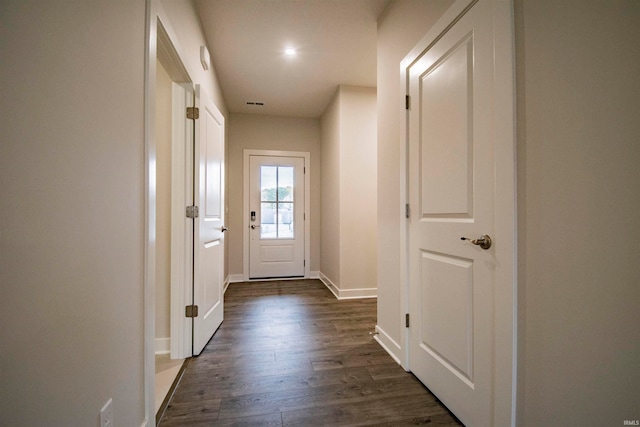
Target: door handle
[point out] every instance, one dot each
(253, 227)
(483, 241)
(223, 228)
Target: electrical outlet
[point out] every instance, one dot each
(106, 414)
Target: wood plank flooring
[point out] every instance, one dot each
(290, 354)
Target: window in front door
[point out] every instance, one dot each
(276, 202)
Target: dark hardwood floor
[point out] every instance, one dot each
(290, 354)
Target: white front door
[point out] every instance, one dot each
(276, 217)
(453, 169)
(208, 283)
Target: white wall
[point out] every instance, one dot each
(260, 132)
(404, 23)
(579, 189)
(349, 200)
(72, 212)
(72, 262)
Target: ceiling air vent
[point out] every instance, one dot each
(254, 103)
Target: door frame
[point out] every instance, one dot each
(158, 25)
(182, 229)
(247, 153)
(505, 301)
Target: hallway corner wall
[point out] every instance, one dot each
(349, 193)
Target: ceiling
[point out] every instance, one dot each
(335, 41)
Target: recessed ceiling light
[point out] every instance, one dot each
(290, 51)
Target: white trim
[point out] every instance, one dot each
(150, 211)
(330, 285)
(358, 293)
(506, 291)
(226, 285)
(505, 301)
(314, 275)
(245, 206)
(389, 345)
(163, 345)
(236, 278)
(348, 293)
(181, 227)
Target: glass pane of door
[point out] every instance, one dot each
(276, 202)
(268, 183)
(285, 224)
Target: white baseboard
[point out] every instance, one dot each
(330, 285)
(348, 293)
(235, 278)
(226, 285)
(389, 345)
(314, 275)
(163, 345)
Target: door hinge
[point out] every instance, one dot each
(407, 102)
(407, 211)
(406, 320)
(193, 113)
(192, 212)
(191, 311)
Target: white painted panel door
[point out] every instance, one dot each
(276, 223)
(208, 283)
(452, 183)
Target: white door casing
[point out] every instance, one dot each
(276, 229)
(208, 286)
(461, 184)
(182, 238)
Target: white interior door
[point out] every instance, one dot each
(452, 191)
(276, 217)
(208, 283)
